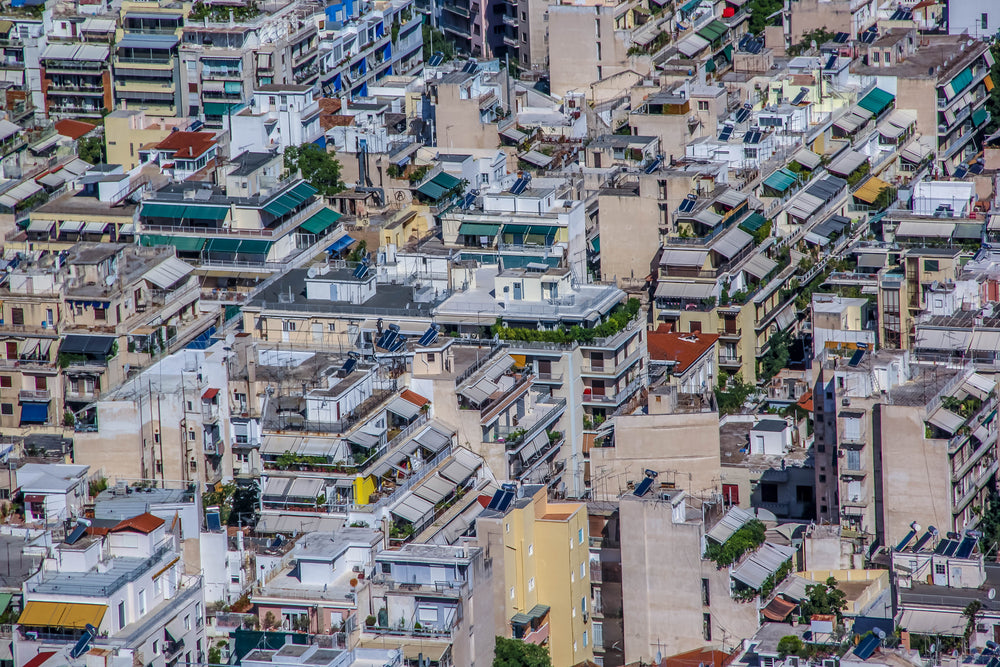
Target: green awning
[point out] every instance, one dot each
(521, 261)
(595, 243)
(206, 212)
(182, 243)
(781, 180)
(959, 83)
(689, 7)
(5, 599)
(223, 245)
(530, 230)
(968, 230)
(876, 101)
(713, 31)
(538, 611)
(302, 191)
(446, 181)
(753, 222)
(979, 116)
(290, 199)
(520, 619)
(321, 221)
(432, 190)
(478, 229)
(254, 247)
(710, 65)
(154, 210)
(219, 108)
(278, 207)
(727, 51)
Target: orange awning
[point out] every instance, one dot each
(989, 82)
(778, 609)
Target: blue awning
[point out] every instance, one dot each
(34, 413)
(340, 244)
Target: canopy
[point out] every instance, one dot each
(755, 570)
(713, 31)
(876, 101)
(85, 344)
(321, 221)
(478, 229)
(759, 266)
(732, 242)
(168, 272)
(753, 222)
(946, 420)
(870, 190)
(182, 243)
(847, 163)
(781, 180)
(341, 243)
(34, 413)
(734, 519)
(75, 616)
(807, 158)
(684, 290)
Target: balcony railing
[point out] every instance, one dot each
(34, 395)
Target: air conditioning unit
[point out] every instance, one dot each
(356, 569)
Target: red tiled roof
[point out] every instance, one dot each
(806, 401)
(778, 609)
(187, 145)
(144, 523)
(74, 129)
(682, 348)
(414, 397)
(699, 657)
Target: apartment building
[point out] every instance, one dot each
(52, 492)
(842, 322)
(25, 38)
(76, 80)
(907, 290)
(467, 109)
(278, 116)
(167, 423)
(675, 599)
(121, 592)
(146, 63)
(437, 596)
(541, 566)
(950, 70)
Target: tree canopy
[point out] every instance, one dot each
(824, 598)
(776, 356)
(760, 10)
(516, 653)
(91, 149)
(319, 168)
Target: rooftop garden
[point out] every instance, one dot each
(616, 321)
(221, 13)
(748, 538)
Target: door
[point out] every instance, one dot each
(11, 350)
(317, 332)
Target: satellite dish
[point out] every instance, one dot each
(230, 339)
(110, 280)
(312, 272)
(992, 593)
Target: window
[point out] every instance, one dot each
(583, 570)
(191, 435)
(156, 647)
(531, 549)
(875, 55)
(769, 492)
(984, 20)
(142, 602)
(598, 634)
(731, 494)
(187, 622)
(702, 105)
(750, 153)
(584, 639)
(531, 584)
(579, 536)
(121, 615)
(939, 568)
(803, 493)
(706, 627)
(6, 408)
(705, 597)
(583, 605)
(511, 592)
(100, 314)
(41, 383)
(287, 326)
(822, 478)
(157, 587)
(17, 315)
(931, 265)
(6, 381)
(853, 459)
(508, 528)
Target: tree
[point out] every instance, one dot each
(760, 10)
(319, 168)
(824, 598)
(989, 524)
(730, 396)
(91, 149)
(971, 612)
(245, 504)
(993, 97)
(516, 653)
(436, 41)
(789, 645)
(776, 356)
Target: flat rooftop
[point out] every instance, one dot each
(925, 385)
(938, 57)
(77, 203)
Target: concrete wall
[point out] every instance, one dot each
(583, 46)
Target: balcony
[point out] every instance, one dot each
(549, 378)
(617, 398)
(730, 359)
(512, 42)
(610, 368)
(457, 8)
(34, 395)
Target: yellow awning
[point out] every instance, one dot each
(871, 189)
(62, 615)
(520, 360)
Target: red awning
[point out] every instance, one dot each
(34, 498)
(728, 13)
(39, 659)
(778, 609)
(210, 394)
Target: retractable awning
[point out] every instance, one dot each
(74, 616)
(321, 221)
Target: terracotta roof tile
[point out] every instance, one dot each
(74, 129)
(187, 145)
(144, 523)
(682, 348)
(414, 397)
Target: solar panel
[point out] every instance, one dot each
(470, 201)
(388, 337)
(83, 644)
(752, 137)
(495, 501)
(644, 486)
(505, 500)
(360, 271)
(470, 67)
(976, 169)
(520, 185)
(687, 206)
(756, 46)
(742, 115)
(398, 344)
(869, 37)
(855, 360)
(214, 521)
(906, 540)
(349, 366)
(925, 538)
(429, 337)
(830, 62)
(744, 41)
(867, 646)
(952, 548)
(841, 37)
(81, 528)
(942, 547)
(961, 171)
(436, 60)
(653, 166)
(966, 547)
(727, 131)
(801, 96)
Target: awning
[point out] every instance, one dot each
(5, 599)
(686, 258)
(343, 242)
(980, 116)
(926, 622)
(42, 656)
(536, 158)
(70, 226)
(210, 393)
(412, 508)
(755, 570)
(431, 190)
(781, 180)
(181, 243)
(807, 158)
(759, 266)
(977, 385)
(168, 272)
(946, 420)
(985, 340)
(847, 163)
(434, 489)
(95, 227)
(41, 226)
(463, 464)
(89, 345)
(403, 408)
(943, 339)
(34, 413)
(478, 229)
(74, 616)
(753, 222)
(876, 101)
(206, 212)
(321, 221)
(438, 186)
(684, 291)
(143, 41)
(871, 260)
(733, 520)
(778, 609)
(713, 31)
(692, 45)
(870, 190)
(912, 228)
(732, 242)
(916, 150)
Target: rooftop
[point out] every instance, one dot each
(683, 349)
(923, 387)
(938, 57)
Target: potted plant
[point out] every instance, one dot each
(370, 621)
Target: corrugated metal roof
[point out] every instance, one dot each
(732, 242)
(677, 290)
(755, 570)
(734, 519)
(168, 272)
